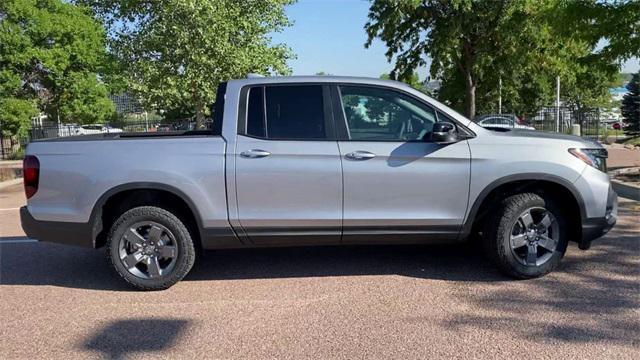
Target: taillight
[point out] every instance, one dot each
(30, 175)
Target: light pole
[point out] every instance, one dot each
(500, 95)
(557, 103)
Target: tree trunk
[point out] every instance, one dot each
(199, 114)
(467, 59)
(471, 96)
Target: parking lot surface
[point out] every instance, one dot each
(328, 302)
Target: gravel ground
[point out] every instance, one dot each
(332, 302)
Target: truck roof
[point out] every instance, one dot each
(318, 79)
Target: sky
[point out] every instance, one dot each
(329, 36)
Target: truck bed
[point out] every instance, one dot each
(76, 173)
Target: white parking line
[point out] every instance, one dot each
(10, 209)
(17, 240)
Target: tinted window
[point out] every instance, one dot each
(295, 112)
(376, 114)
(255, 113)
(292, 112)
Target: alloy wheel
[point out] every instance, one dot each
(148, 250)
(534, 236)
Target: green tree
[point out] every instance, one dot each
(15, 116)
(176, 52)
(475, 44)
(85, 98)
(616, 22)
(630, 107)
(458, 35)
(412, 80)
(50, 49)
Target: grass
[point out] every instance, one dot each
(633, 141)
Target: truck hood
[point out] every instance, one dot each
(533, 134)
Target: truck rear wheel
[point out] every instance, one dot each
(150, 248)
(526, 235)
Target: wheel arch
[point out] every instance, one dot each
(529, 182)
(123, 197)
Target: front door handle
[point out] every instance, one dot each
(360, 155)
(254, 154)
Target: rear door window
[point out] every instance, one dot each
(291, 112)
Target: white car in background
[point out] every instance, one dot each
(502, 121)
(65, 130)
(96, 129)
(110, 129)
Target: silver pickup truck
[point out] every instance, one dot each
(318, 161)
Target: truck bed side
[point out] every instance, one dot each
(75, 176)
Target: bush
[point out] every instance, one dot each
(16, 154)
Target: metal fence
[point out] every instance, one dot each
(13, 147)
(38, 132)
(543, 120)
(554, 119)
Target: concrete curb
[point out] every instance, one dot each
(626, 190)
(5, 184)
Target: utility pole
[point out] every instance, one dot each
(500, 95)
(558, 104)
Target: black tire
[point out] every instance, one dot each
(183, 262)
(498, 230)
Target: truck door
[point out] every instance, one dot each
(397, 182)
(288, 169)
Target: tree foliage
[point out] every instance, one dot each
(51, 51)
(412, 79)
(174, 53)
(630, 107)
(473, 44)
(15, 115)
(616, 22)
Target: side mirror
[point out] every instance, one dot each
(444, 133)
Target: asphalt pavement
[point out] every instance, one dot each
(321, 303)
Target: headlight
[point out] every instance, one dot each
(592, 157)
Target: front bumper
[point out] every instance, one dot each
(593, 228)
(68, 233)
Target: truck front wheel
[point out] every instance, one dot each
(150, 248)
(526, 235)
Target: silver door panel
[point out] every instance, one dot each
(406, 185)
(296, 188)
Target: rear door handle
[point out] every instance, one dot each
(254, 154)
(360, 155)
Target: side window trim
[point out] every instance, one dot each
(264, 111)
(342, 130)
(342, 113)
(327, 101)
